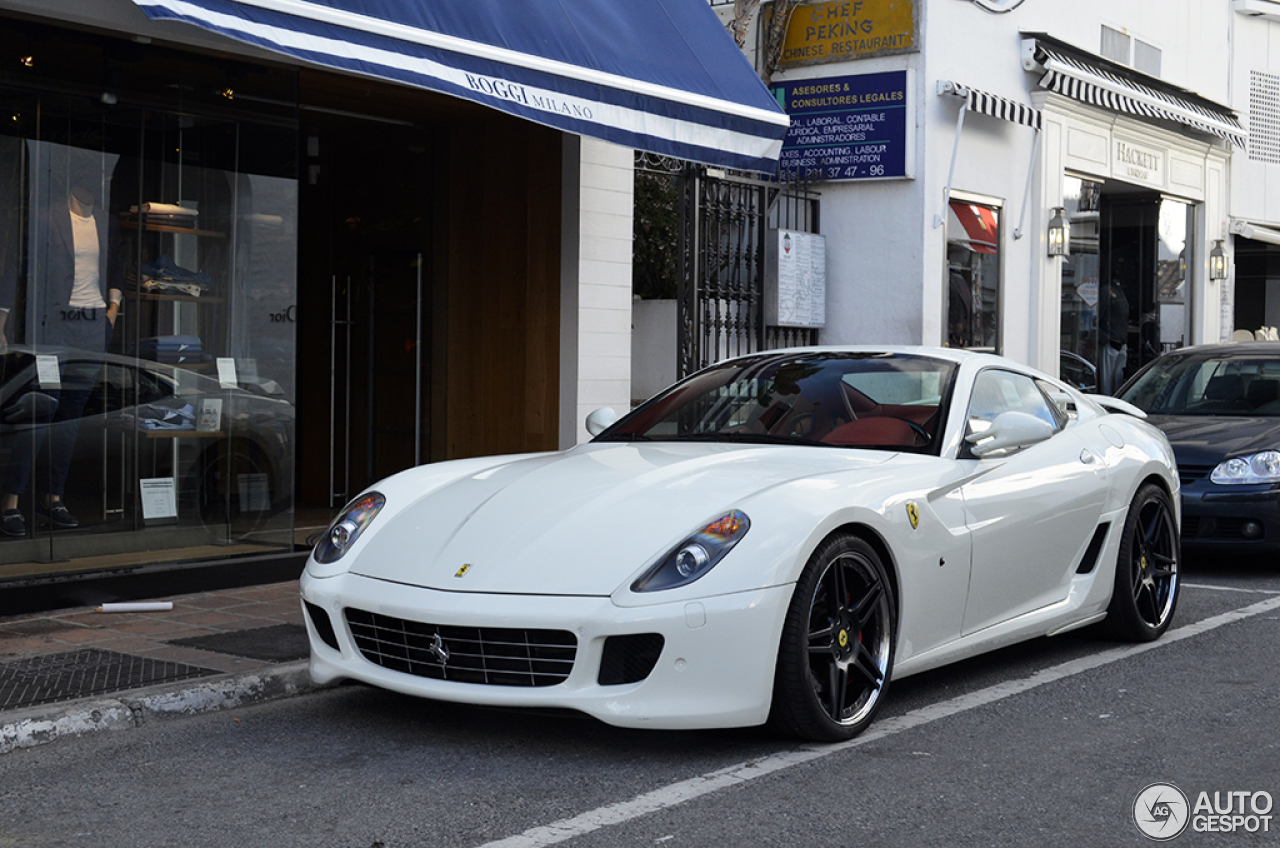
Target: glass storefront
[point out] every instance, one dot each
(148, 243)
(1124, 282)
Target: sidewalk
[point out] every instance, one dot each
(78, 671)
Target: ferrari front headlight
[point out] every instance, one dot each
(347, 527)
(1261, 467)
(696, 555)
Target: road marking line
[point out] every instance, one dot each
(1231, 589)
(688, 790)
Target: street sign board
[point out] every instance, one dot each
(847, 128)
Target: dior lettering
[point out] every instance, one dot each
(286, 316)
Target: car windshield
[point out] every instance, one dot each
(1196, 385)
(889, 401)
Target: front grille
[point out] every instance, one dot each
(494, 656)
(1188, 474)
(1218, 528)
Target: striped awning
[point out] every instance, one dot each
(1095, 81)
(657, 75)
(993, 104)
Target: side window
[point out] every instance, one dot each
(996, 391)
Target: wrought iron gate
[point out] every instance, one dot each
(723, 223)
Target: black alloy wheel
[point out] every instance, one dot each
(837, 647)
(1147, 569)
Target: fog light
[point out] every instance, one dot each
(1251, 530)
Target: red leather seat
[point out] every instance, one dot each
(873, 432)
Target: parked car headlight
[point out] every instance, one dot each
(347, 527)
(1258, 468)
(696, 555)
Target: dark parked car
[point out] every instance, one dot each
(142, 419)
(1220, 407)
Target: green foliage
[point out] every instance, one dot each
(655, 235)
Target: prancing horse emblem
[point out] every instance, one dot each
(438, 650)
(913, 513)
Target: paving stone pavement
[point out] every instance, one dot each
(74, 671)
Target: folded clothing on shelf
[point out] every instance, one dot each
(155, 416)
(163, 268)
(166, 213)
(164, 209)
(173, 350)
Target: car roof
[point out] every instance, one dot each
(1224, 350)
(947, 353)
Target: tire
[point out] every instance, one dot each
(1147, 569)
(836, 653)
(220, 470)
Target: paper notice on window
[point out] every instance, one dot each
(227, 372)
(210, 415)
(47, 371)
(159, 498)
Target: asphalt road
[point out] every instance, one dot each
(1046, 744)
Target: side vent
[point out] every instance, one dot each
(1090, 560)
(629, 659)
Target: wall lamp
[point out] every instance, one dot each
(1059, 232)
(1217, 261)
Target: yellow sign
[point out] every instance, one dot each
(913, 513)
(852, 29)
(462, 571)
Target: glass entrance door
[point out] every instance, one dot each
(1124, 284)
(367, 204)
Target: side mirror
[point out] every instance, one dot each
(1010, 430)
(600, 420)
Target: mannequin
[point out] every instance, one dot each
(71, 313)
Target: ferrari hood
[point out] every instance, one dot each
(1209, 439)
(579, 522)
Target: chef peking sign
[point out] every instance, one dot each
(851, 29)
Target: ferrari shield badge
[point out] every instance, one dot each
(462, 571)
(913, 513)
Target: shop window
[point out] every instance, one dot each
(1123, 49)
(141, 266)
(973, 275)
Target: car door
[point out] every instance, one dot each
(1030, 512)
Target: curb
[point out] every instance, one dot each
(47, 723)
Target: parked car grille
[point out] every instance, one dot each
(494, 656)
(1188, 474)
(1227, 528)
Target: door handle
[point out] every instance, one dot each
(1087, 457)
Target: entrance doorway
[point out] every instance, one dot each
(1124, 284)
(366, 206)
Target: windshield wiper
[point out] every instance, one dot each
(623, 437)
(747, 438)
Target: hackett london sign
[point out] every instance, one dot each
(1137, 164)
(853, 29)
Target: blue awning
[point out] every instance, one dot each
(657, 75)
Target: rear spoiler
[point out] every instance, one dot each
(1112, 404)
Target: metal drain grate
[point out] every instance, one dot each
(275, 643)
(77, 674)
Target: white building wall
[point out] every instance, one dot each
(1255, 183)
(595, 311)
